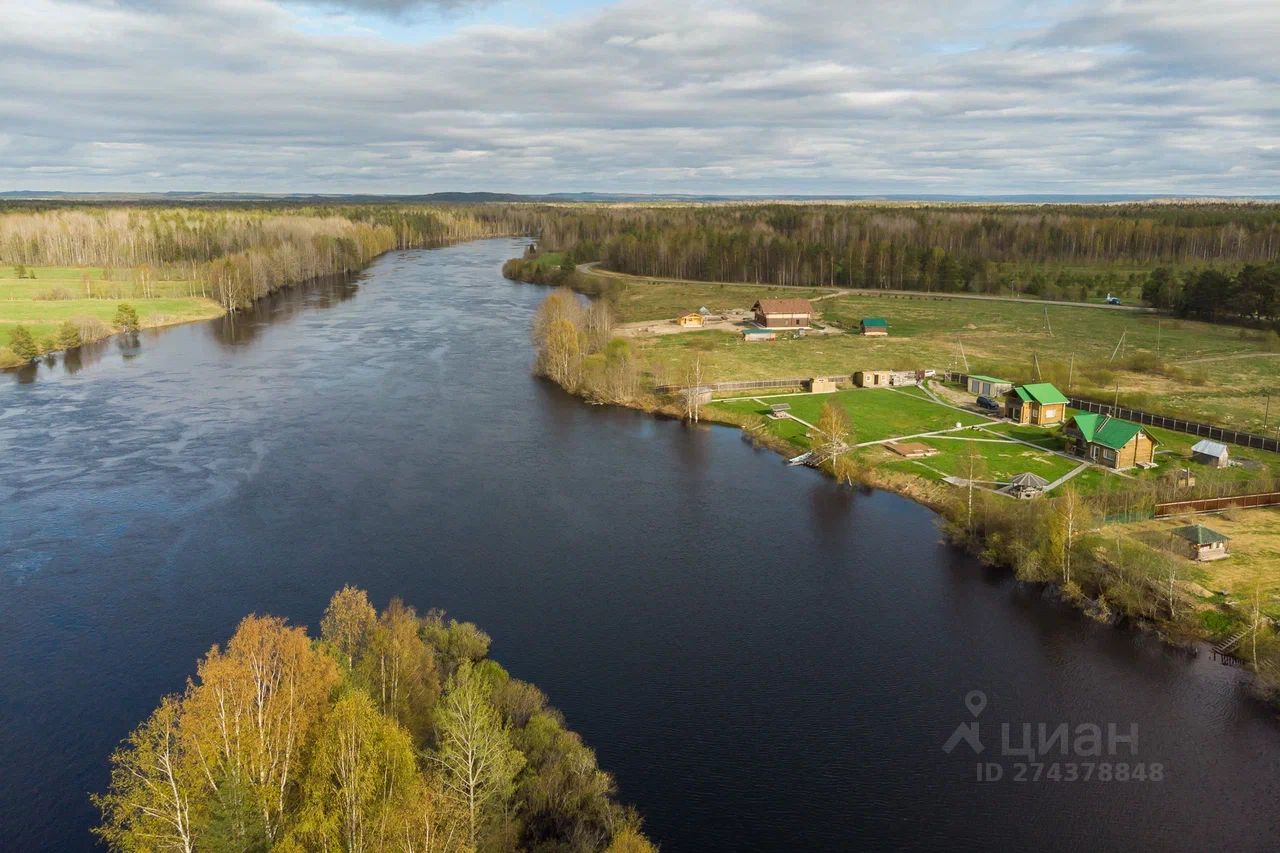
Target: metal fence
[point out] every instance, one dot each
(1163, 510)
(1231, 436)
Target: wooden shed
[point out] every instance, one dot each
(1041, 404)
(693, 320)
(875, 327)
(821, 385)
(1203, 544)
(783, 313)
(1109, 441)
(1212, 453)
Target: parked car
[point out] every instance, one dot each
(1113, 300)
(988, 404)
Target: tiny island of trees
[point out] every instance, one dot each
(391, 732)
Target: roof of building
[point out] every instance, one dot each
(874, 321)
(783, 306)
(692, 314)
(1201, 535)
(1029, 480)
(982, 378)
(1041, 392)
(1107, 431)
(1209, 448)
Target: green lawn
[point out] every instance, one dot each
(875, 413)
(636, 301)
(1001, 460)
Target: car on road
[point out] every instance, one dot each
(1113, 300)
(988, 404)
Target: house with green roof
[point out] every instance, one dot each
(1109, 441)
(1040, 403)
(875, 326)
(1203, 543)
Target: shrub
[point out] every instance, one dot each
(127, 318)
(69, 336)
(54, 294)
(23, 344)
(90, 328)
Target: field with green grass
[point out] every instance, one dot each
(1218, 374)
(42, 298)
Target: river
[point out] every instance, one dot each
(766, 661)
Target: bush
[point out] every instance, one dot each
(127, 318)
(23, 344)
(54, 294)
(69, 336)
(90, 328)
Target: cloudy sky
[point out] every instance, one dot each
(701, 96)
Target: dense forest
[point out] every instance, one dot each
(391, 732)
(233, 255)
(1056, 252)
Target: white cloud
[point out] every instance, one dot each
(660, 95)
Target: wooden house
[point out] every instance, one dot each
(875, 327)
(1109, 441)
(693, 320)
(1040, 404)
(1202, 543)
(783, 313)
(1211, 453)
(988, 386)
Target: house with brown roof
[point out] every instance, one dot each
(783, 313)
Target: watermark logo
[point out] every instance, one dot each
(1051, 752)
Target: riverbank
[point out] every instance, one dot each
(1111, 572)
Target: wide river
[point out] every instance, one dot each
(766, 661)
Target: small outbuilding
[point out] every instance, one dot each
(1211, 453)
(779, 411)
(887, 378)
(821, 385)
(1026, 485)
(875, 327)
(783, 313)
(1040, 404)
(693, 320)
(988, 386)
(1203, 544)
(1109, 441)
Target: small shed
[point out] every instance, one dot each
(1202, 543)
(988, 386)
(887, 378)
(1211, 453)
(876, 327)
(693, 320)
(759, 335)
(821, 385)
(1026, 485)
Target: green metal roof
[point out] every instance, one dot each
(1107, 431)
(988, 379)
(1042, 392)
(874, 321)
(1201, 535)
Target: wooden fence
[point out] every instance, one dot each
(1192, 507)
(1217, 433)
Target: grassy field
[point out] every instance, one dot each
(1220, 374)
(638, 301)
(59, 294)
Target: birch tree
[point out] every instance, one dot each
(477, 762)
(347, 621)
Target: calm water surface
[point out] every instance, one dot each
(764, 660)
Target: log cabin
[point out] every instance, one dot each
(1040, 404)
(1111, 442)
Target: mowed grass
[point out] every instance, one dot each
(875, 413)
(1000, 460)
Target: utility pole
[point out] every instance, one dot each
(1071, 370)
(1266, 414)
(1036, 358)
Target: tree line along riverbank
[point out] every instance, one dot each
(65, 270)
(1076, 540)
